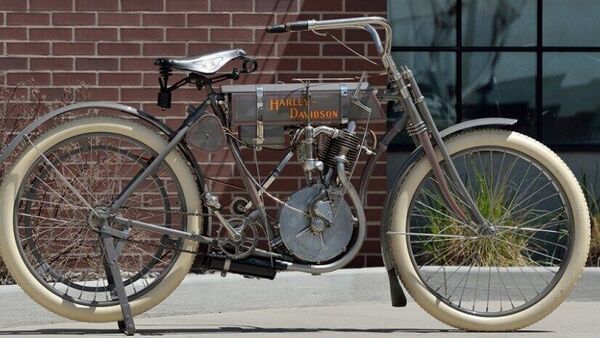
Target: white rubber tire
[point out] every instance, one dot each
(8, 246)
(402, 259)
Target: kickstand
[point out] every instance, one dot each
(115, 281)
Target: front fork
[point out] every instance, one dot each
(423, 128)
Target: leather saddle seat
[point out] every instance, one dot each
(206, 64)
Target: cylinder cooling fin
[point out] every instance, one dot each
(345, 143)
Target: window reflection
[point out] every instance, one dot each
(423, 22)
(571, 23)
(499, 23)
(571, 98)
(500, 84)
(436, 75)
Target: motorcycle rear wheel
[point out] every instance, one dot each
(46, 240)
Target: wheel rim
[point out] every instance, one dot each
(51, 225)
(505, 272)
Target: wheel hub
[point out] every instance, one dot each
(97, 218)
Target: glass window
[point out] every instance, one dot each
(571, 98)
(499, 23)
(436, 75)
(500, 84)
(571, 23)
(423, 22)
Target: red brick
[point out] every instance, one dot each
(277, 64)
(355, 64)
(141, 34)
(73, 19)
(96, 64)
(96, 34)
(205, 20)
(119, 79)
(73, 48)
(288, 17)
(130, 64)
(73, 78)
(52, 94)
(322, 5)
(27, 19)
(60, 34)
(187, 5)
(13, 63)
(321, 64)
(97, 5)
(260, 35)
(232, 34)
(310, 36)
(205, 48)
(366, 6)
(119, 19)
(118, 48)
(13, 4)
(335, 49)
(105, 94)
(231, 5)
(258, 49)
(151, 79)
(253, 20)
(187, 34)
(7, 33)
(164, 49)
(27, 48)
(51, 63)
(163, 19)
(38, 78)
(142, 5)
(270, 6)
(54, 5)
(299, 49)
(138, 94)
(259, 77)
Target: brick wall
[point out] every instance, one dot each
(110, 46)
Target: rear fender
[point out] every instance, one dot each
(156, 123)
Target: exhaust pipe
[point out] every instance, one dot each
(251, 266)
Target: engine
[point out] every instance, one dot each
(316, 223)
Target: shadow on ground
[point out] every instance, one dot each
(231, 329)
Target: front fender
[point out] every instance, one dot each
(156, 123)
(398, 298)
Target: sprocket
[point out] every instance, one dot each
(243, 247)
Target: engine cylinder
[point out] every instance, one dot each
(345, 143)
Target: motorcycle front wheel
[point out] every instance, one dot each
(515, 273)
(48, 239)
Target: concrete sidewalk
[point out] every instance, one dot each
(349, 302)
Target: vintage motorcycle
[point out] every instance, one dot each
(102, 216)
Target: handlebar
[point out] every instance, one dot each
(360, 23)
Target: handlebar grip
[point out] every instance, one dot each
(276, 29)
(298, 26)
(288, 27)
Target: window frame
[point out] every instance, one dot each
(539, 49)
